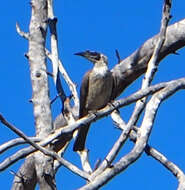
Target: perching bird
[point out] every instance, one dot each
(95, 91)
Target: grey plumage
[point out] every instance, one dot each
(95, 91)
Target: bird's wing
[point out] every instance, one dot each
(82, 132)
(83, 94)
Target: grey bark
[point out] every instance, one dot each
(40, 97)
(26, 177)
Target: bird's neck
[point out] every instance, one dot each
(100, 68)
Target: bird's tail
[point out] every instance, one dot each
(79, 144)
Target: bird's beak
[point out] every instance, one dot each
(80, 54)
(90, 55)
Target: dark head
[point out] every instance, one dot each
(93, 56)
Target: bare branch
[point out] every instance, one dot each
(54, 56)
(57, 64)
(26, 151)
(16, 142)
(118, 104)
(72, 86)
(50, 10)
(152, 65)
(64, 162)
(21, 134)
(21, 33)
(54, 51)
(181, 184)
(40, 91)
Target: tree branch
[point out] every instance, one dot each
(71, 85)
(135, 65)
(16, 142)
(152, 65)
(90, 118)
(40, 91)
(54, 51)
(21, 33)
(143, 135)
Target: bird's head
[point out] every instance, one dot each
(93, 56)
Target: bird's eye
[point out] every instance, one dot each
(97, 57)
(94, 55)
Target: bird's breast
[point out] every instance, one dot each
(100, 89)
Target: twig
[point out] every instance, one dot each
(54, 51)
(55, 98)
(21, 33)
(118, 55)
(54, 47)
(49, 74)
(152, 65)
(72, 86)
(57, 64)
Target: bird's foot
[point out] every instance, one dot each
(111, 104)
(92, 112)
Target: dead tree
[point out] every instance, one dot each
(44, 156)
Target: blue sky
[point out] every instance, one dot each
(102, 26)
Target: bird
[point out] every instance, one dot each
(95, 92)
